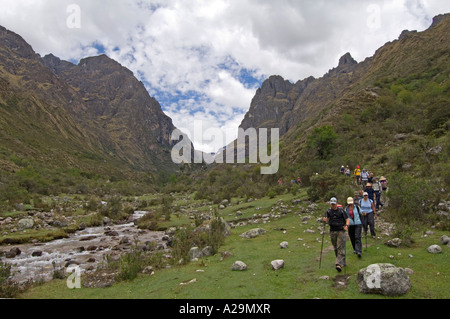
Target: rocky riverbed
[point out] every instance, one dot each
(86, 248)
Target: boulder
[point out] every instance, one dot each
(13, 253)
(25, 223)
(445, 240)
(277, 264)
(239, 266)
(207, 251)
(383, 279)
(396, 242)
(252, 233)
(195, 252)
(284, 244)
(111, 233)
(36, 253)
(434, 249)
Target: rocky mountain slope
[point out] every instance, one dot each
(406, 78)
(94, 116)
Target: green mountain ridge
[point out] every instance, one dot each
(94, 117)
(389, 114)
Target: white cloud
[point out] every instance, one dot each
(193, 52)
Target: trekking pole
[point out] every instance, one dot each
(321, 250)
(367, 229)
(345, 254)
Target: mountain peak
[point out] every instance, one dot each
(347, 60)
(440, 17)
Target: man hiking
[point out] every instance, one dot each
(354, 230)
(339, 222)
(358, 175)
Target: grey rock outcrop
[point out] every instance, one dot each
(383, 279)
(252, 233)
(239, 266)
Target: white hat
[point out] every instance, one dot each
(333, 200)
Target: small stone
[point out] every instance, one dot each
(239, 266)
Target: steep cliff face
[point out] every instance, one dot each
(282, 104)
(95, 115)
(132, 123)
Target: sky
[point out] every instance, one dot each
(203, 60)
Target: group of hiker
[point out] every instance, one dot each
(359, 214)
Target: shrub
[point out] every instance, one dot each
(411, 202)
(322, 141)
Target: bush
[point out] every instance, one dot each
(213, 235)
(322, 141)
(411, 203)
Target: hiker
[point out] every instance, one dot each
(364, 177)
(370, 179)
(347, 171)
(369, 214)
(383, 182)
(338, 221)
(342, 170)
(384, 187)
(369, 190)
(354, 230)
(299, 181)
(377, 189)
(280, 182)
(358, 175)
(359, 197)
(356, 198)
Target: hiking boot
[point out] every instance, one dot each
(338, 268)
(359, 255)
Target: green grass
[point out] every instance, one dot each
(298, 280)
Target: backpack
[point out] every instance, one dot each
(336, 218)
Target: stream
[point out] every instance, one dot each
(85, 248)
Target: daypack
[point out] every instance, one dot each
(336, 217)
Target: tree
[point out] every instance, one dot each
(322, 141)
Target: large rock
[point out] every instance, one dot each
(383, 279)
(445, 240)
(252, 233)
(13, 253)
(195, 252)
(434, 249)
(277, 264)
(25, 223)
(396, 242)
(239, 266)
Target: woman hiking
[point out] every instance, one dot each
(369, 214)
(338, 221)
(354, 230)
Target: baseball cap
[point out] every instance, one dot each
(333, 200)
(366, 194)
(350, 200)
